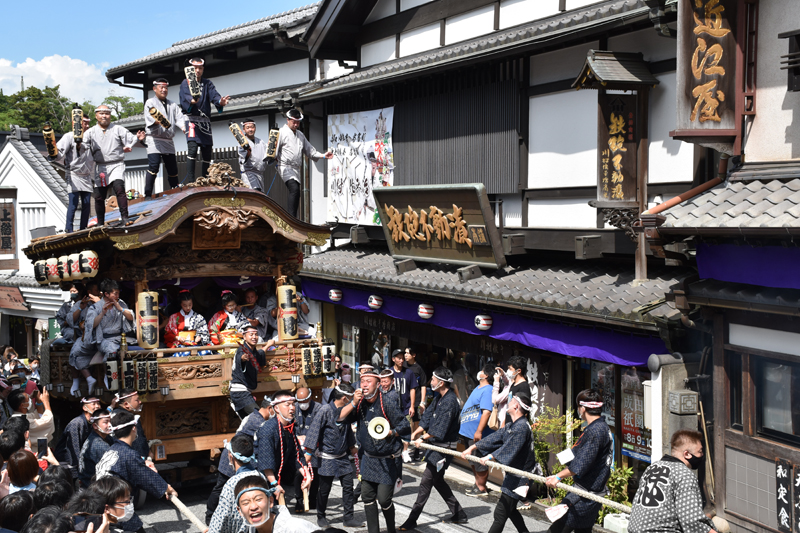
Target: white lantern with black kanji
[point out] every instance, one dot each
(375, 302)
(52, 270)
(483, 322)
(335, 295)
(40, 271)
(425, 311)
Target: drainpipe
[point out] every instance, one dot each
(144, 92)
(723, 171)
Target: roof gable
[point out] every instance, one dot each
(37, 166)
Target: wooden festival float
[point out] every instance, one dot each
(198, 232)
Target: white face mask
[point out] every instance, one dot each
(437, 387)
(128, 513)
(510, 373)
(305, 406)
(480, 376)
(30, 404)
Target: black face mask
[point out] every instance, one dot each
(695, 462)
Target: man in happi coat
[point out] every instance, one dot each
(590, 466)
(198, 111)
(127, 400)
(96, 445)
(307, 411)
(329, 440)
(379, 471)
(255, 314)
(160, 146)
(252, 161)
(108, 144)
(68, 448)
(278, 451)
(186, 320)
(241, 459)
(439, 426)
(247, 363)
(62, 315)
(510, 446)
(79, 173)
(248, 427)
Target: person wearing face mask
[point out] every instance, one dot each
(517, 384)
(255, 502)
(241, 458)
(128, 401)
(474, 426)
(309, 410)
(97, 443)
(123, 461)
(247, 363)
(669, 498)
(34, 366)
(593, 454)
(248, 427)
(439, 426)
(116, 504)
(330, 441)
(67, 333)
(68, 448)
(21, 404)
(279, 454)
(379, 472)
(227, 320)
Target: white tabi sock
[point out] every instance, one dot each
(90, 381)
(76, 385)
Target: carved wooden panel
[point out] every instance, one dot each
(190, 372)
(191, 420)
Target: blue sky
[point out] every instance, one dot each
(47, 49)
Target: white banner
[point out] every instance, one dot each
(362, 160)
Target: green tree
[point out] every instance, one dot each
(33, 107)
(123, 106)
(7, 112)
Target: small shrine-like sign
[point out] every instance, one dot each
(440, 223)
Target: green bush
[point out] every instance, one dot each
(617, 490)
(550, 437)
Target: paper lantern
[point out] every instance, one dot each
(40, 271)
(52, 270)
(112, 373)
(74, 263)
(483, 322)
(287, 313)
(375, 302)
(335, 295)
(63, 267)
(90, 263)
(425, 311)
(147, 321)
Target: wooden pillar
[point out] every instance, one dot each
(643, 104)
(721, 409)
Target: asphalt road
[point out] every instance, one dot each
(162, 517)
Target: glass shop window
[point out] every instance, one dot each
(735, 380)
(778, 399)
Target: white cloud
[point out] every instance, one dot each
(79, 80)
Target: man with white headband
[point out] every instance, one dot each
(510, 446)
(255, 501)
(252, 161)
(330, 441)
(590, 465)
(307, 411)
(279, 454)
(96, 445)
(198, 111)
(292, 144)
(160, 146)
(123, 461)
(68, 448)
(127, 400)
(474, 425)
(79, 173)
(241, 458)
(439, 426)
(379, 472)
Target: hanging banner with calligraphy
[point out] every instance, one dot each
(363, 160)
(7, 244)
(706, 76)
(440, 224)
(783, 494)
(617, 140)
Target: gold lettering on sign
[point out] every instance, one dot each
(617, 131)
(705, 61)
(424, 226)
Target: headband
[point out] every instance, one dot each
(284, 400)
(126, 424)
(248, 121)
(343, 392)
(160, 81)
(184, 290)
(89, 400)
(98, 417)
(239, 457)
(294, 114)
(437, 376)
(4, 384)
(387, 374)
(268, 492)
(591, 405)
(120, 398)
(226, 292)
(370, 372)
(521, 403)
(196, 61)
(304, 400)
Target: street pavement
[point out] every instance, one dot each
(162, 517)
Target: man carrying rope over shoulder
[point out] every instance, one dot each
(510, 446)
(590, 466)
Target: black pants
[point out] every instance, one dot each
(560, 526)
(153, 162)
(373, 495)
(294, 197)
(433, 479)
(213, 498)
(191, 159)
(325, 484)
(100, 193)
(507, 508)
(85, 199)
(312, 491)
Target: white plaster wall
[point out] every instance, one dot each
(563, 140)
(408, 4)
(559, 65)
(333, 69)
(420, 39)
(576, 4)
(469, 25)
(670, 160)
(775, 131)
(562, 213)
(261, 79)
(382, 9)
(515, 12)
(319, 206)
(512, 210)
(378, 51)
(647, 41)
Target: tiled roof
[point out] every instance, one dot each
(287, 19)
(565, 287)
(603, 67)
(42, 168)
(740, 204)
(525, 34)
(19, 281)
(707, 290)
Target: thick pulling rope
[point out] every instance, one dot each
(539, 479)
(187, 513)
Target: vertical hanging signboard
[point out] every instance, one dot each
(617, 142)
(783, 494)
